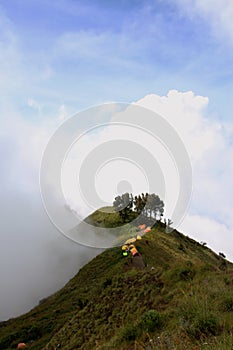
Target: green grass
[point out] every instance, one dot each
(182, 300)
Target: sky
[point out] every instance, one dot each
(172, 56)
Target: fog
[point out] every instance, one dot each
(35, 259)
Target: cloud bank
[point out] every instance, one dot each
(35, 258)
(209, 144)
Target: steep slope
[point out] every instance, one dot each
(182, 299)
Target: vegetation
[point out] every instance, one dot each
(123, 205)
(148, 205)
(181, 300)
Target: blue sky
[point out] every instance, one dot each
(57, 58)
(83, 53)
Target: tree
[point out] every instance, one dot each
(139, 203)
(148, 205)
(123, 205)
(158, 207)
(154, 207)
(144, 201)
(169, 223)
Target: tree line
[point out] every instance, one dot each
(150, 206)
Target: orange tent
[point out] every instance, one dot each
(148, 229)
(142, 227)
(21, 346)
(133, 250)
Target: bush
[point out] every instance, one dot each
(223, 265)
(181, 247)
(150, 321)
(227, 304)
(201, 324)
(8, 339)
(207, 325)
(186, 274)
(129, 333)
(198, 320)
(107, 283)
(82, 303)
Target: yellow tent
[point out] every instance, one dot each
(131, 240)
(139, 237)
(124, 247)
(132, 246)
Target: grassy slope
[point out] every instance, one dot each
(107, 304)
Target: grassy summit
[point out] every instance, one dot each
(182, 299)
(107, 217)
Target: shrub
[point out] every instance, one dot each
(207, 324)
(181, 247)
(202, 324)
(227, 304)
(198, 320)
(223, 265)
(227, 281)
(82, 303)
(8, 339)
(129, 333)
(151, 320)
(186, 274)
(107, 283)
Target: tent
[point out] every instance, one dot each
(148, 229)
(134, 251)
(131, 240)
(142, 227)
(139, 237)
(21, 346)
(125, 250)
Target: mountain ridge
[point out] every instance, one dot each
(182, 299)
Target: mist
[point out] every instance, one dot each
(35, 259)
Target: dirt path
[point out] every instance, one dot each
(137, 262)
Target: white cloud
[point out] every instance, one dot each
(208, 143)
(218, 13)
(26, 232)
(217, 235)
(184, 111)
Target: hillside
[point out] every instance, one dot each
(182, 299)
